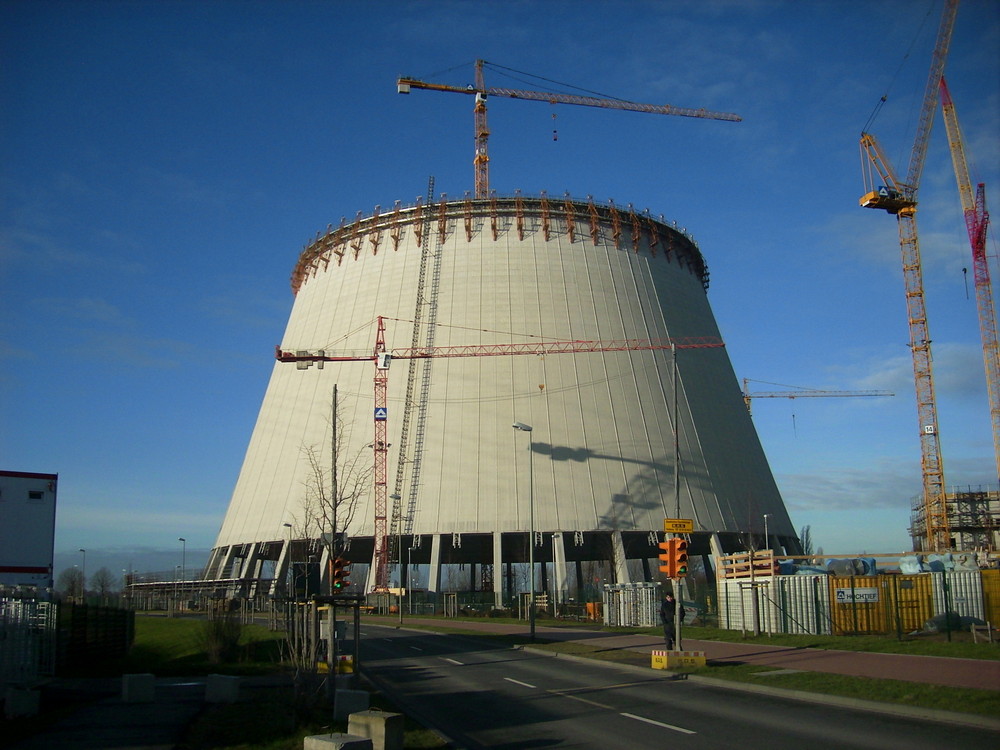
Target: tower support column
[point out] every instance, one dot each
(498, 576)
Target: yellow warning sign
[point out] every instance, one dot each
(678, 525)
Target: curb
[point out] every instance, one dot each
(895, 709)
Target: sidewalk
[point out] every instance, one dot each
(934, 670)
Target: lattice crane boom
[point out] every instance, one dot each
(977, 219)
(900, 198)
(382, 358)
(480, 91)
(749, 395)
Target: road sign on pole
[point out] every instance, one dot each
(678, 525)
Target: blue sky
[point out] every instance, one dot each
(165, 162)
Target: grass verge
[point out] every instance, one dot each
(169, 646)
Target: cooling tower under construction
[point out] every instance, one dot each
(589, 323)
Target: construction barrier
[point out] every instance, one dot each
(856, 605)
(674, 659)
(632, 604)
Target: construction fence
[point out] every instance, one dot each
(859, 605)
(40, 637)
(27, 639)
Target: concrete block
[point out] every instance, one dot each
(138, 688)
(384, 729)
(336, 742)
(20, 702)
(222, 688)
(349, 702)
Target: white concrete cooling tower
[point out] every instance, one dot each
(492, 275)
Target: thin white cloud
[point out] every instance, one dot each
(889, 484)
(958, 371)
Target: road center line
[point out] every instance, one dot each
(566, 694)
(453, 661)
(518, 682)
(659, 723)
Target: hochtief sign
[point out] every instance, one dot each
(856, 596)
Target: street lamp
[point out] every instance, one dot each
(397, 513)
(531, 528)
(83, 574)
(183, 542)
(766, 516)
(288, 560)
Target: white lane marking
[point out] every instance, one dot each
(416, 649)
(518, 682)
(453, 661)
(578, 698)
(659, 723)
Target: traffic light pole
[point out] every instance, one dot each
(674, 555)
(677, 615)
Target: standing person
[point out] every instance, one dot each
(668, 611)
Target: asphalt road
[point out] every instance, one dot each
(482, 696)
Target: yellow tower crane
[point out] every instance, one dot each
(797, 391)
(976, 220)
(900, 198)
(481, 92)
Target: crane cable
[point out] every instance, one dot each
(885, 96)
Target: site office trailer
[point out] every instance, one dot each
(27, 528)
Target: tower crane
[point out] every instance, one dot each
(801, 392)
(976, 220)
(899, 198)
(481, 92)
(382, 357)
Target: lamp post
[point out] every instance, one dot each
(766, 543)
(83, 575)
(531, 526)
(183, 542)
(288, 560)
(396, 511)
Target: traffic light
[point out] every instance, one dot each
(341, 569)
(667, 556)
(675, 556)
(680, 555)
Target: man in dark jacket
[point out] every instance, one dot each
(670, 609)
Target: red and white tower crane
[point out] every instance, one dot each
(976, 220)
(481, 161)
(382, 358)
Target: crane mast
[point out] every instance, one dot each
(382, 358)
(900, 198)
(482, 132)
(977, 219)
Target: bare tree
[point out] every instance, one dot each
(333, 487)
(336, 479)
(70, 582)
(103, 583)
(806, 540)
